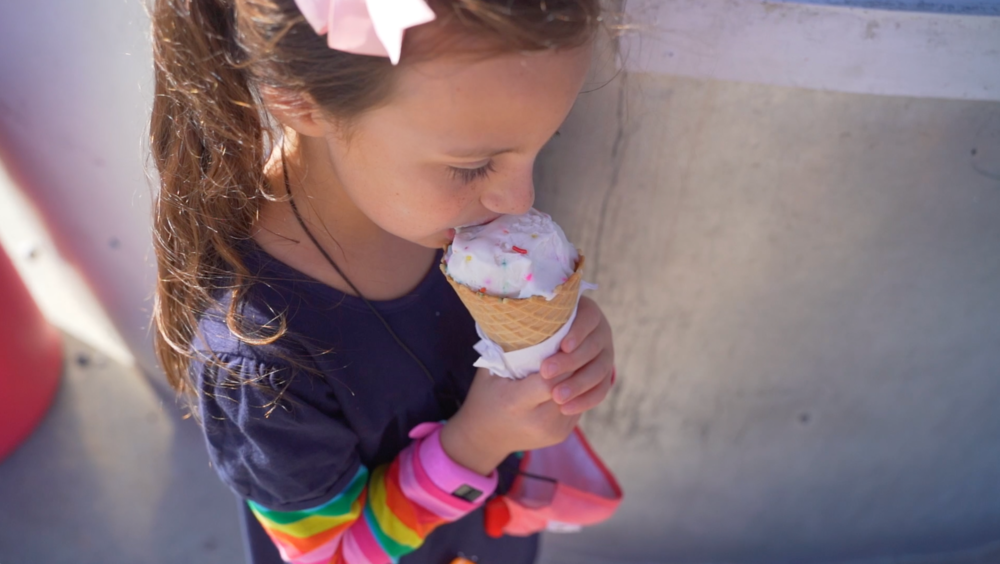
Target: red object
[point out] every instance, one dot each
(563, 487)
(519, 250)
(496, 517)
(30, 360)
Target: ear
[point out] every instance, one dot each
(297, 112)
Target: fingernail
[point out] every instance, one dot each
(549, 369)
(562, 394)
(570, 345)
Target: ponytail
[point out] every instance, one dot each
(207, 138)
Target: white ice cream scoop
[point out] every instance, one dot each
(514, 256)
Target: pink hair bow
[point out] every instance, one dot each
(365, 27)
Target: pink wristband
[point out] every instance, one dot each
(447, 474)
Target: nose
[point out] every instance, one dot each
(513, 195)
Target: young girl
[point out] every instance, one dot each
(312, 165)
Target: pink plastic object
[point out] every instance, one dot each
(560, 488)
(30, 360)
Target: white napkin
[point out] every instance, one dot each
(524, 362)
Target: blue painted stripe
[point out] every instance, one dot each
(971, 7)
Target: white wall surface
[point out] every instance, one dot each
(900, 53)
(75, 81)
(56, 285)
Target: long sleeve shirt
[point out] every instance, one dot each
(312, 431)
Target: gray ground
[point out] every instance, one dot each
(113, 475)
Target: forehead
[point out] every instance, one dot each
(501, 99)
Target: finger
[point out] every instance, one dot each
(564, 363)
(555, 381)
(588, 317)
(583, 380)
(588, 400)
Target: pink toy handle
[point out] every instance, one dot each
(366, 27)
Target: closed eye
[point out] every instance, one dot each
(470, 175)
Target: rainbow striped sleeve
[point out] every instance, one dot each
(379, 517)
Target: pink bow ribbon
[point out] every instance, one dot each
(365, 27)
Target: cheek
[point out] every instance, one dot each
(409, 202)
(426, 203)
(409, 199)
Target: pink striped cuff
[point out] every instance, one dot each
(419, 488)
(447, 474)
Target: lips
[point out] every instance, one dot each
(454, 230)
(480, 224)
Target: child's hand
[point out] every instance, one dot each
(501, 416)
(581, 372)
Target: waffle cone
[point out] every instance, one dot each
(518, 323)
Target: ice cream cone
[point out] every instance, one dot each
(514, 323)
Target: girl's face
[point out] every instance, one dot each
(457, 142)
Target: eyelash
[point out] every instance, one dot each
(470, 175)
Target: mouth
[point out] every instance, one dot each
(479, 224)
(454, 230)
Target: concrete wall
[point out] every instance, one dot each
(803, 282)
(980, 7)
(825, 47)
(75, 83)
(805, 291)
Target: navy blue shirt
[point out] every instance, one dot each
(288, 423)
